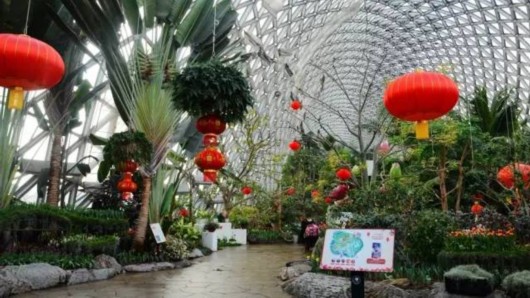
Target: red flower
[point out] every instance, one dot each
(328, 200)
(477, 208)
(183, 212)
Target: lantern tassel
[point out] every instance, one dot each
(422, 130)
(15, 99)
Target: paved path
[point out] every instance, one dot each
(234, 272)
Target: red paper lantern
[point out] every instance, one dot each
(477, 208)
(27, 64)
(296, 105)
(210, 160)
(506, 176)
(246, 190)
(210, 126)
(290, 191)
(343, 174)
(295, 145)
(421, 96)
(126, 184)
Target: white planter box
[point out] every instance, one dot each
(224, 231)
(240, 235)
(209, 240)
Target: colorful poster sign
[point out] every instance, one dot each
(366, 250)
(157, 232)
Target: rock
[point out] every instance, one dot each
(293, 271)
(313, 285)
(148, 267)
(105, 261)
(10, 284)
(403, 283)
(182, 264)
(84, 275)
(438, 291)
(196, 253)
(383, 290)
(31, 277)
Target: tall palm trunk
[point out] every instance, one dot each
(143, 217)
(442, 176)
(56, 165)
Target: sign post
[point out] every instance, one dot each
(358, 251)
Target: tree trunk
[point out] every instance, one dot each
(143, 217)
(442, 175)
(52, 196)
(460, 180)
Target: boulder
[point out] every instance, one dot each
(294, 270)
(31, 277)
(105, 261)
(195, 253)
(438, 291)
(148, 267)
(9, 284)
(313, 285)
(84, 275)
(383, 290)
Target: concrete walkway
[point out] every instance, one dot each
(235, 272)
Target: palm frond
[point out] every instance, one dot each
(10, 121)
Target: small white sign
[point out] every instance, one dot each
(358, 250)
(157, 232)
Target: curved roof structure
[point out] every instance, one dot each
(336, 56)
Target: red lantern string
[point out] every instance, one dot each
(296, 105)
(295, 145)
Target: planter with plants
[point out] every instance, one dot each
(209, 236)
(211, 227)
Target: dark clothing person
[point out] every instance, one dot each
(303, 225)
(311, 235)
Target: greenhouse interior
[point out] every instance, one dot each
(265, 148)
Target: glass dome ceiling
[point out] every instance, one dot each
(334, 55)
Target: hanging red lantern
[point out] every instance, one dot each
(127, 166)
(296, 105)
(506, 176)
(27, 64)
(290, 191)
(210, 126)
(126, 184)
(421, 96)
(246, 190)
(295, 145)
(210, 160)
(343, 174)
(477, 208)
(384, 148)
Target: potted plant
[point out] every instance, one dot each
(211, 226)
(203, 217)
(212, 88)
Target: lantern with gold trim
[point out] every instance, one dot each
(421, 96)
(211, 126)
(27, 64)
(210, 160)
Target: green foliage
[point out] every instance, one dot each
(245, 217)
(469, 280)
(78, 221)
(426, 234)
(10, 121)
(264, 236)
(213, 88)
(187, 232)
(507, 261)
(480, 243)
(227, 243)
(517, 284)
(82, 244)
(211, 226)
(130, 257)
(64, 261)
(175, 248)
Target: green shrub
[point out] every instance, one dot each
(469, 280)
(517, 285)
(187, 232)
(227, 243)
(89, 245)
(244, 217)
(426, 233)
(486, 241)
(507, 261)
(64, 261)
(129, 257)
(174, 249)
(264, 236)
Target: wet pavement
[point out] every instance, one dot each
(235, 272)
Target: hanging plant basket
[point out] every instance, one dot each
(213, 88)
